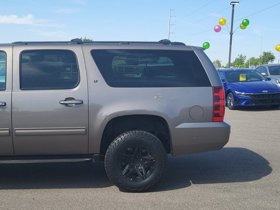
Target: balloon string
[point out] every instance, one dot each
(227, 29)
(235, 29)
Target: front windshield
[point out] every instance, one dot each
(274, 70)
(243, 76)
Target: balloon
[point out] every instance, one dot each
(242, 26)
(217, 28)
(245, 22)
(222, 21)
(206, 45)
(277, 47)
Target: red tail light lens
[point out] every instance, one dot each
(218, 104)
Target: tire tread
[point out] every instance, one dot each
(127, 137)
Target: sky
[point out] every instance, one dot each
(192, 22)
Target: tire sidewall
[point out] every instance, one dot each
(230, 106)
(131, 139)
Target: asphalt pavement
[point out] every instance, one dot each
(243, 175)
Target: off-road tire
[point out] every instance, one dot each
(135, 161)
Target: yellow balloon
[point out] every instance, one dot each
(277, 47)
(222, 21)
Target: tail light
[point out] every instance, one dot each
(218, 104)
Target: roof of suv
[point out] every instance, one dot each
(164, 43)
(79, 41)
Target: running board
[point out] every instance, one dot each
(76, 160)
(49, 159)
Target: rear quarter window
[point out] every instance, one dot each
(150, 68)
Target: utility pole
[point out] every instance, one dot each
(170, 24)
(233, 3)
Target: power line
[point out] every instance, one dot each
(202, 19)
(201, 32)
(199, 8)
(260, 11)
(207, 17)
(204, 5)
(247, 16)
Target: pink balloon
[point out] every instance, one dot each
(217, 28)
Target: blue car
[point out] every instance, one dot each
(248, 88)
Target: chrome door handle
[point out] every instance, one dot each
(3, 103)
(71, 102)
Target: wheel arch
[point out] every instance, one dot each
(156, 125)
(228, 91)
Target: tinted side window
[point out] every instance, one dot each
(3, 69)
(150, 68)
(262, 70)
(221, 75)
(48, 69)
(274, 70)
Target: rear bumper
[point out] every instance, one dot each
(199, 137)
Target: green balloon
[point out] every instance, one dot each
(206, 45)
(245, 22)
(242, 26)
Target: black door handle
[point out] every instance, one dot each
(3, 103)
(71, 102)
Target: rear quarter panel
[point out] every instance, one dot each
(176, 105)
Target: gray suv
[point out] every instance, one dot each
(271, 71)
(132, 103)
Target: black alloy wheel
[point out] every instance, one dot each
(135, 161)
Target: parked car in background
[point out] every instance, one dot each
(271, 71)
(248, 88)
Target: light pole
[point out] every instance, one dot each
(233, 3)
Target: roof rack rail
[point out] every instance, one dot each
(168, 42)
(165, 41)
(77, 41)
(72, 41)
(178, 43)
(19, 42)
(80, 41)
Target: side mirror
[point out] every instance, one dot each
(224, 81)
(267, 79)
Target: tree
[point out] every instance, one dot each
(85, 39)
(239, 61)
(267, 57)
(252, 62)
(217, 63)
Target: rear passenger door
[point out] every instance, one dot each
(6, 144)
(50, 100)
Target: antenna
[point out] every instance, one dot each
(170, 24)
